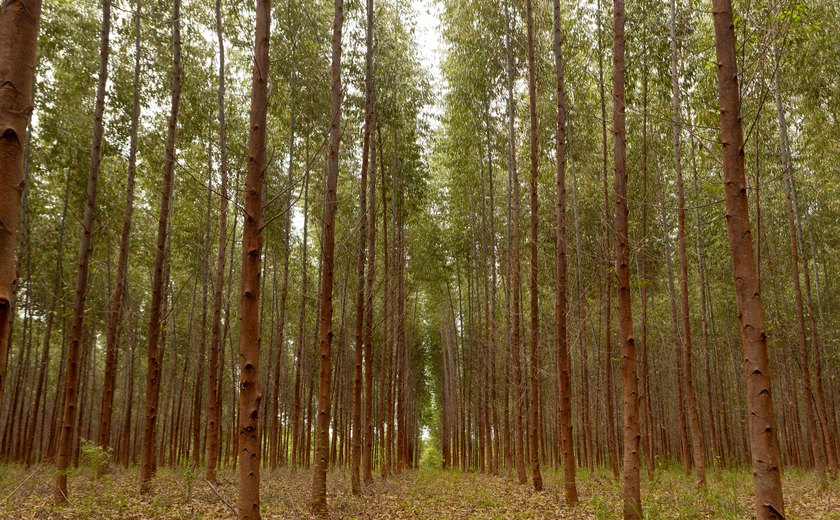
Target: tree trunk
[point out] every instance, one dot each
(647, 414)
(297, 435)
(319, 474)
(561, 306)
(519, 453)
(685, 448)
(155, 357)
(250, 394)
(697, 449)
(764, 447)
(114, 327)
(814, 437)
(284, 291)
(371, 272)
(18, 39)
(214, 402)
(358, 441)
(387, 336)
(630, 382)
(532, 98)
(71, 380)
(612, 449)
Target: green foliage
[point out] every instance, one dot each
(93, 455)
(431, 457)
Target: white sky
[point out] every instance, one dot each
(428, 35)
(430, 45)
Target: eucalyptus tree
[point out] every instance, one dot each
(561, 302)
(153, 368)
(18, 39)
(764, 447)
(71, 379)
(629, 376)
(319, 474)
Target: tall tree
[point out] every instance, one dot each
(763, 443)
(159, 278)
(214, 403)
(533, 406)
(71, 379)
(319, 474)
(697, 449)
(561, 305)
(612, 449)
(358, 440)
(115, 315)
(19, 23)
(629, 377)
(370, 123)
(515, 341)
(250, 395)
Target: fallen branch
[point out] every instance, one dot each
(232, 510)
(36, 470)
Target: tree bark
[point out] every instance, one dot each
(214, 402)
(612, 449)
(697, 449)
(359, 438)
(561, 305)
(764, 447)
(250, 394)
(114, 327)
(371, 261)
(516, 347)
(319, 474)
(532, 98)
(71, 380)
(644, 381)
(155, 356)
(19, 23)
(630, 382)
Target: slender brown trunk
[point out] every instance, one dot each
(764, 447)
(647, 414)
(71, 380)
(359, 328)
(296, 420)
(609, 406)
(519, 453)
(155, 356)
(532, 98)
(360, 444)
(829, 437)
(250, 394)
(698, 451)
(704, 303)
(319, 474)
(214, 402)
(45, 352)
(367, 470)
(814, 437)
(685, 448)
(114, 327)
(561, 306)
(205, 268)
(630, 382)
(388, 335)
(284, 292)
(819, 396)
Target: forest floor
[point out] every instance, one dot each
(425, 493)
